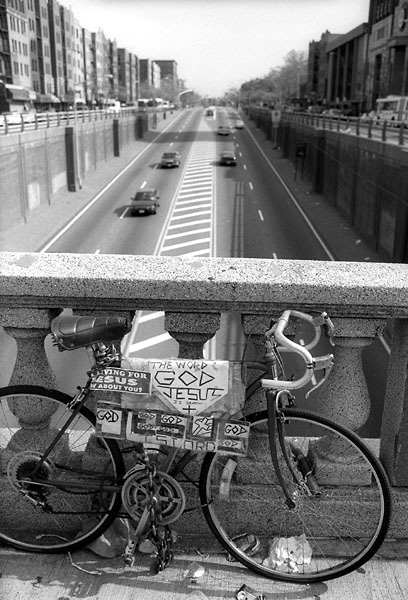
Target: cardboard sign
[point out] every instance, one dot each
(197, 433)
(189, 386)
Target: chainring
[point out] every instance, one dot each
(169, 493)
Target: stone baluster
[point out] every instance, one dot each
(29, 327)
(254, 327)
(344, 398)
(191, 331)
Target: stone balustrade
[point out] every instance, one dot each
(199, 294)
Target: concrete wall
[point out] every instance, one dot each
(38, 165)
(365, 179)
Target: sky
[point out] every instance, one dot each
(218, 44)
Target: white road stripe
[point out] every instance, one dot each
(185, 244)
(196, 214)
(158, 314)
(174, 236)
(158, 339)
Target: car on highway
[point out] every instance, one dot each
(224, 130)
(170, 159)
(228, 158)
(145, 201)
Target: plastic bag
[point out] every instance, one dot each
(288, 554)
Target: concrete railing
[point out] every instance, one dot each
(195, 292)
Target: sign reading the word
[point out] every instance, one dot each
(188, 386)
(197, 433)
(113, 379)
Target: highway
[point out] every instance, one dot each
(206, 210)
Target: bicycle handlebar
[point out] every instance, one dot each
(312, 363)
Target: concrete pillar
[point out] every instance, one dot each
(70, 156)
(116, 138)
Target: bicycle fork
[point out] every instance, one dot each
(298, 464)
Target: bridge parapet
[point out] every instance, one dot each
(198, 294)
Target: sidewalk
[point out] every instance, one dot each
(85, 575)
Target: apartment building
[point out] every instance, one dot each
(48, 61)
(15, 67)
(169, 78)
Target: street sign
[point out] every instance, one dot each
(275, 116)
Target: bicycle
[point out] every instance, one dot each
(307, 501)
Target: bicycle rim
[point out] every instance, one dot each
(75, 493)
(322, 536)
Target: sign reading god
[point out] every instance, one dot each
(187, 386)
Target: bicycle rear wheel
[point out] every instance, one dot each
(322, 536)
(75, 494)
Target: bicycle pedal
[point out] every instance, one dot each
(129, 561)
(247, 543)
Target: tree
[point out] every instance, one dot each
(281, 84)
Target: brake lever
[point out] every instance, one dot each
(324, 363)
(324, 321)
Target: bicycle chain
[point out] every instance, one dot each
(160, 536)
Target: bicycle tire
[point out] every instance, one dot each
(79, 514)
(343, 527)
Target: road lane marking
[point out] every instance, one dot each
(294, 201)
(102, 192)
(174, 236)
(153, 341)
(251, 186)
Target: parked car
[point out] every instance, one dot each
(145, 202)
(223, 130)
(228, 158)
(170, 159)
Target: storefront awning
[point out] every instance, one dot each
(18, 92)
(47, 99)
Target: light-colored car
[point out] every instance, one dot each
(224, 130)
(239, 124)
(170, 159)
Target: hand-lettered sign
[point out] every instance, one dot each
(188, 386)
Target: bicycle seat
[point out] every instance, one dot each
(71, 332)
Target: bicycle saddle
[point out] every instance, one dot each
(71, 332)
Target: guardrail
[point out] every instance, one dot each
(394, 132)
(31, 121)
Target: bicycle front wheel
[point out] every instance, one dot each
(310, 534)
(70, 498)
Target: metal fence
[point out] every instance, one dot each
(17, 123)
